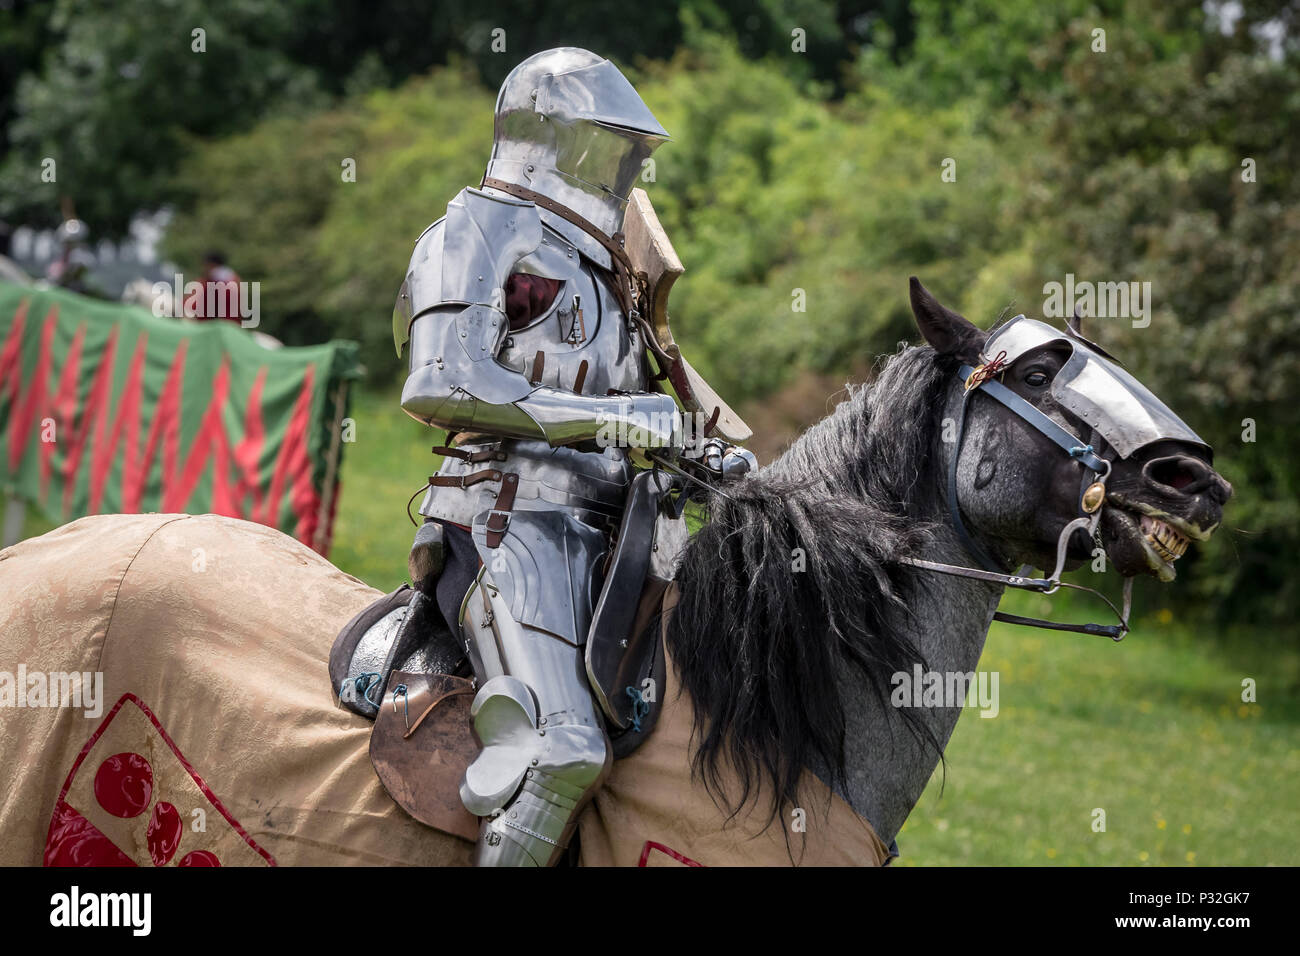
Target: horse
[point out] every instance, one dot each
(188, 654)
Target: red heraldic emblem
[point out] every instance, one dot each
(132, 799)
(666, 856)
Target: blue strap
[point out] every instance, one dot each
(406, 710)
(363, 684)
(640, 707)
(1074, 447)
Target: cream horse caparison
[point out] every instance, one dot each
(195, 724)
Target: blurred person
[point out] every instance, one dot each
(71, 270)
(217, 295)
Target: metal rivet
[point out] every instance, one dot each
(534, 761)
(1094, 496)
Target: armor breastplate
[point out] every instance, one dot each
(594, 332)
(584, 338)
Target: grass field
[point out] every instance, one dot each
(1152, 731)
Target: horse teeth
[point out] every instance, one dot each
(1167, 542)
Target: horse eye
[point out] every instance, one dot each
(1036, 379)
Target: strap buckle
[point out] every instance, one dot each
(987, 371)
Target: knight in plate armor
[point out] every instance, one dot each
(529, 330)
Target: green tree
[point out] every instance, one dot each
(124, 84)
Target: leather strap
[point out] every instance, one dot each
(539, 364)
(993, 577)
(564, 212)
(677, 375)
(627, 276)
(499, 517)
(712, 423)
(473, 457)
(464, 481)
(455, 691)
(1113, 631)
(581, 378)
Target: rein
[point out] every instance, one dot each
(1092, 497)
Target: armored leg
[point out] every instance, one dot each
(545, 751)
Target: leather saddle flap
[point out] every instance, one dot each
(617, 653)
(421, 745)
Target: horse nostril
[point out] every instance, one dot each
(1220, 491)
(1186, 476)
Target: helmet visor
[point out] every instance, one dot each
(1096, 390)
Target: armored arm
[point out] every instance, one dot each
(452, 306)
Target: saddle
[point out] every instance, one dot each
(397, 663)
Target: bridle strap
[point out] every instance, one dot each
(954, 508)
(982, 379)
(1115, 632)
(1043, 585)
(1071, 445)
(1074, 447)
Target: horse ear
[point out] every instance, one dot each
(948, 332)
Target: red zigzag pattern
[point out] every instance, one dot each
(237, 490)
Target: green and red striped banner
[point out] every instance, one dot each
(107, 408)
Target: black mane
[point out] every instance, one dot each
(757, 641)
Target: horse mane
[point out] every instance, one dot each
(790, 583)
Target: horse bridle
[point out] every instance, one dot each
(1092, 498)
